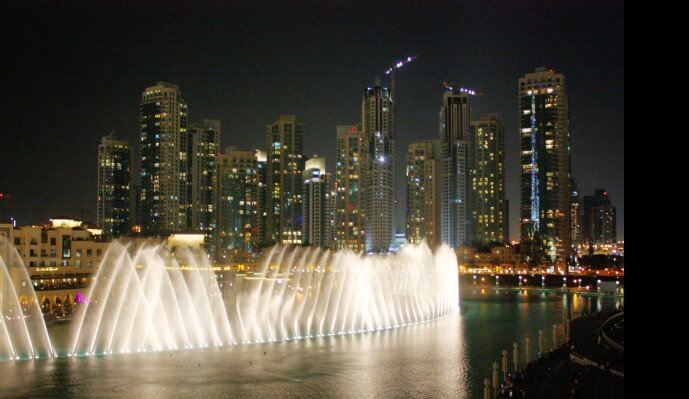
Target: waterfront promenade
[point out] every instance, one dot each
(584, 367)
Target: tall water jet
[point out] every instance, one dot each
(153, 300)
(149, 299)
(23, 334)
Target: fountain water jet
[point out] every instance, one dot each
(23, 334)
(154, 300)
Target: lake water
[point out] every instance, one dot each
(444, 358)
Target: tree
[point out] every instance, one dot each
(537, 251)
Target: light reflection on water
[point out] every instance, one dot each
(443, 358)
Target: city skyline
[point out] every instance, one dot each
(76, 119)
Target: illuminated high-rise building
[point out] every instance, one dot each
(545, 209)
(575, 215)
(236, 202)
(114, 175)
(331, 214)
(262, 166)
(284, 145)
(163, 124)
(5, 208)
(423, 192)
(455, 117)
(315, 203)
(203, 142)
(378, 169)
(487, 180)
(134, 206)
(349, 174)
(506, 218)
(599, 223)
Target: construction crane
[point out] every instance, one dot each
(468, 91)
(391, 71)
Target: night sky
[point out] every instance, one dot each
(70, 74)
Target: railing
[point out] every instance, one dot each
(609, 341)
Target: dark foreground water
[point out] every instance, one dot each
(443, 358)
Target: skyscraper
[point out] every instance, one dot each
(350, 194)
(545, 167)
(423, 192)
(455, 117)
(5, 208)
(506, 218)
(203, 142)
(379, 169)
(163, 121)
(599, 224)
(237, 201)
(574, 211)
(134, 208)
(261, 164)
(331, 208)
(315, 205)
(114, 174)
(487, 180)
(284, 143)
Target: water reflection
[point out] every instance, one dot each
(422, 360)
(448, 357)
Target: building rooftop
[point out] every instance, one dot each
(167, 84)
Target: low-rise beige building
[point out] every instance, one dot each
(498, 259)
(60, 258)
